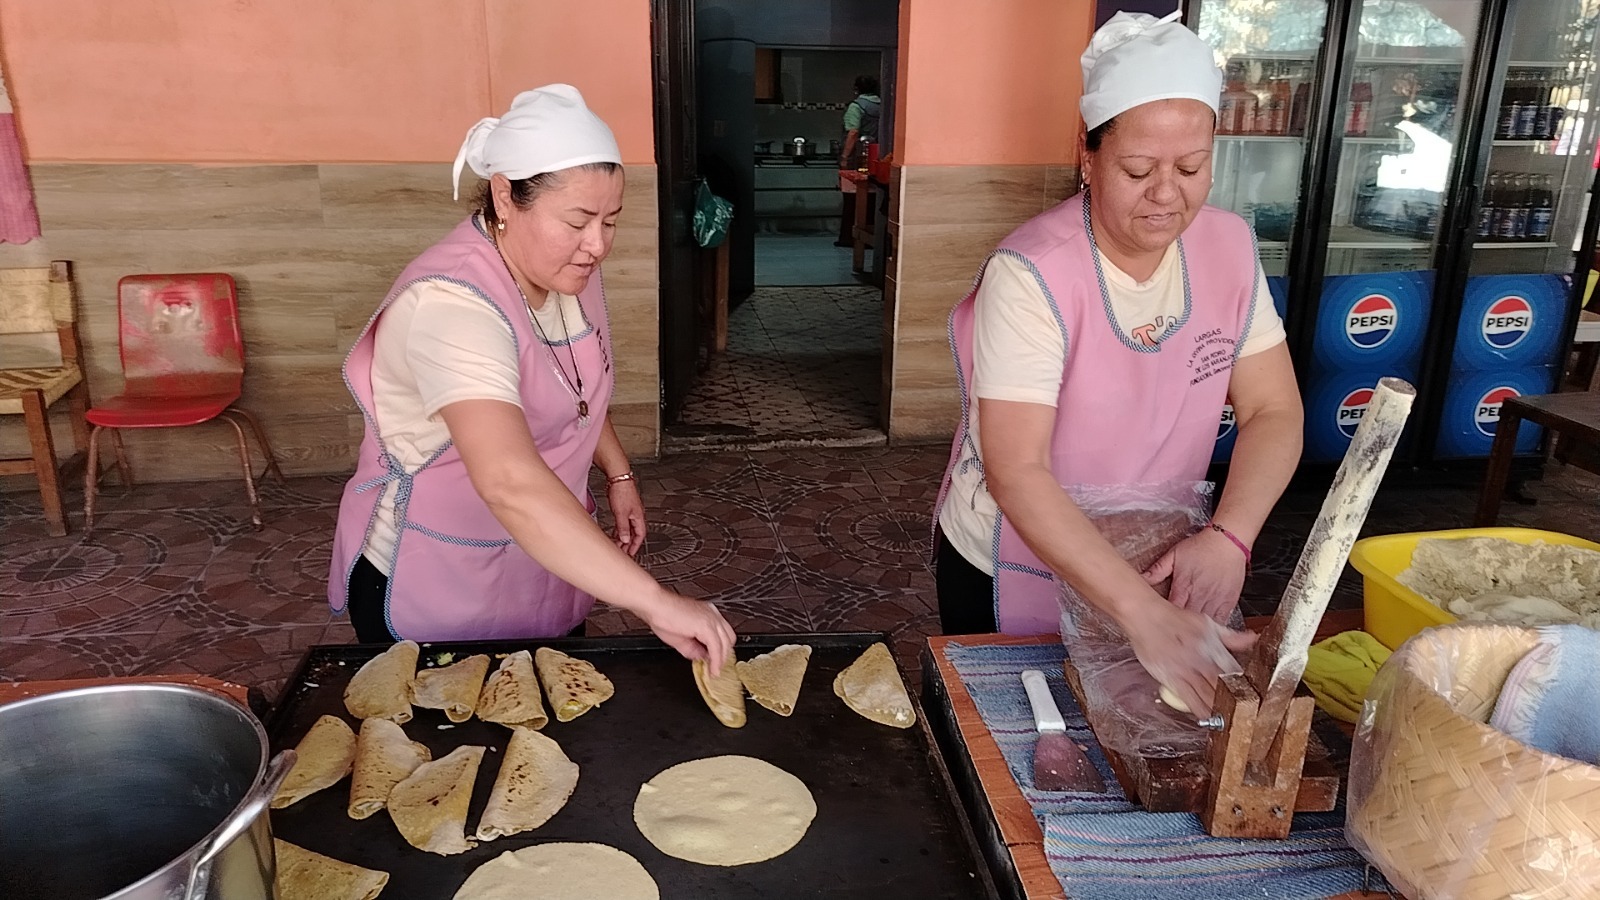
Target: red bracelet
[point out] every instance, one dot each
(1236, 542)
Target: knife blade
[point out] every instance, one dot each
(1059, 764)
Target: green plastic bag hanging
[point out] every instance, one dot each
(711, 217)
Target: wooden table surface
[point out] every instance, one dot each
(1012, 818)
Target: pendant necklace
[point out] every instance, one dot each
(561, 371)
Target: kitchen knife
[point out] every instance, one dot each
(1059, 764)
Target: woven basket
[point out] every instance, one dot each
(1447, 807)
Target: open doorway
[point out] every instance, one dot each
(773, 89)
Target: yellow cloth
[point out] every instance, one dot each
(1339, 670)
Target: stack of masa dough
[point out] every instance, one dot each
(1498, 580)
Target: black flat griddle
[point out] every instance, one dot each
(887, 824)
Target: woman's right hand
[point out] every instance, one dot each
(694, 628)
(1186, 651)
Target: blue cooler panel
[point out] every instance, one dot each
(1373, 321)
(1334, 406)
(1472, 410)
(1227, 435)
(1278, 286)
(1510, 322)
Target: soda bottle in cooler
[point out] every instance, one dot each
(1517, 197)
(1358, 119)
(1498, 191)
(1546, 110)
(1528, 107)
(1278, 121)
(1541, 213)
(1506, 125)
(1486, 208)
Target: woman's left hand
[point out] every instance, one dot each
(627, 507)
(1207, 573)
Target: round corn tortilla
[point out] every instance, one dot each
(724, 811)
(560, 872)
(322, 758)
(511, 695)
(430, 806)
(724, 693)
(534, 782)
(453, 688)
(574, 686)
(381, 689)
(384, 758)
(303, 875)
(773, 679)
(872, 687)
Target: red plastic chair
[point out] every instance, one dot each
(183, 363)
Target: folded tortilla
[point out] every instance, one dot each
(872, 687)
(382, 687)
(322, 757)
(574, 686)
(430, 805)
(773, 679)
(724, 693)
(535, 780)
(384, 758)
(453, 688)
(511, 695)
(303, 875)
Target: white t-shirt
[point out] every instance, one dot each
(439, 343)
(1020, 355)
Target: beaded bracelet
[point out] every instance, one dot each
(1236, 542)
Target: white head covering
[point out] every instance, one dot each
(1136, 58)
(546, 129)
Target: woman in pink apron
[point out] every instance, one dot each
(484, 380)
(1097, 350)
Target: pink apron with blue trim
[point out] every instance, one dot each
(456, 574)
(1130, 411)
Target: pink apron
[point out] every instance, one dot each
(456, 574)
(1130, 411)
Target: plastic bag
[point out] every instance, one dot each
(711, 217)
(1448, 808)
(1142, 521)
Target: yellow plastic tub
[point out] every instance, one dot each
(1395, 612)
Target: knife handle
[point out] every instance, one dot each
(1046, 717)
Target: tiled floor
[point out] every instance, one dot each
(800, 260)
(803, 364)
(175, 579)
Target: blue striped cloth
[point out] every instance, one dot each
(1102, 847)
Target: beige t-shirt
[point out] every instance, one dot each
(439, 343)
(1020, 355)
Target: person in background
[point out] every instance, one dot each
(1098, 349)
(484, 380)
(861, 118)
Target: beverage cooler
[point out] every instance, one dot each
(1418, 173)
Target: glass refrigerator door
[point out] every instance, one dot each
(1533, 199)
(1269, 55)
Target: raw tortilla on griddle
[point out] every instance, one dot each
(382, 688)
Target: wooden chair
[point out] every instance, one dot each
(39, 301)
(183, 364)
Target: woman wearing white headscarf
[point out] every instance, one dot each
(484, 380)
(1097, 351)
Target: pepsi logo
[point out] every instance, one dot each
(1371, 321)
(1486, 415)
(1507, 322)
(1225, 426)
(1348, 415)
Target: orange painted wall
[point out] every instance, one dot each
(308, 80)
(995, 83)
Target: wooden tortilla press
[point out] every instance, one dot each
(1263, 716)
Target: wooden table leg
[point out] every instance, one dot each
(1494, 480)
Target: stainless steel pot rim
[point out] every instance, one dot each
(178, 690)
